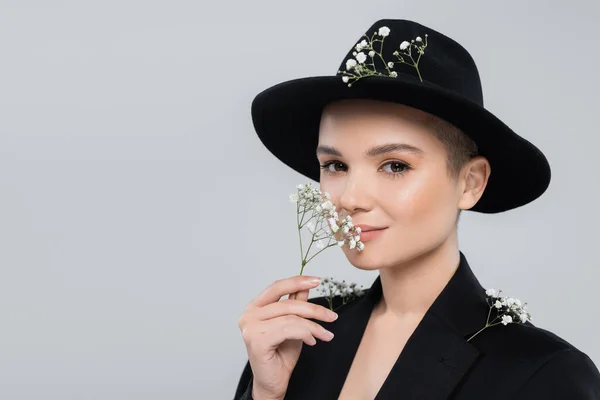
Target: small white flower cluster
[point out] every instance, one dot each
(511, 309)
(311, 200)
(360, 68)
(332, 288)
(314, 205)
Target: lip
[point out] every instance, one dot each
(367, 228)
(370, 233)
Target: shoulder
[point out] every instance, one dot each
(564, 374)
(552, 367)
(522, 339)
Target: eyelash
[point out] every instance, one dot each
(405, 166)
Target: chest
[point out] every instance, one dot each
(380, 347)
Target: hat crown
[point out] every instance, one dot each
(416, 51)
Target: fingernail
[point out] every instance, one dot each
(333, 314)
(314, 281)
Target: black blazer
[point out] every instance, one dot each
(516, 361)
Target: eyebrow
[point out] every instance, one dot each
(375, 151)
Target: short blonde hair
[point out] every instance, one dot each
(460, 148)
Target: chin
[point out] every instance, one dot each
(366, 260)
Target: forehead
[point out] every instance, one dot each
(365, 122)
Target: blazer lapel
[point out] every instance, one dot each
(436, 356)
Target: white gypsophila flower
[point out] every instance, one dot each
(294, 198)
(363, 70)
(361, 57)
(318, 208)
(333, 288)
(351, 63)
(384, 31)
(345, 79)
(518, 302)
(394, 74)
(361, 45)
(327, 205)
(509, 310)
(523, 317)
(358, 230)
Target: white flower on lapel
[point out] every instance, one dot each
(347, 291)
(508, 310)
(358, 67)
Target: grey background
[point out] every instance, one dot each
(139, 213)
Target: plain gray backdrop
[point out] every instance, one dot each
(139, 213)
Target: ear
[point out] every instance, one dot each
(474, 179)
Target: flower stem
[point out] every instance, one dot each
(300, 237)
(326, 247)
(303, 263)
(486, 325)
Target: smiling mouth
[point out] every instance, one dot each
(365, 236)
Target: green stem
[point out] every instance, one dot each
(326, 247)
(486, 325)
(299, 237)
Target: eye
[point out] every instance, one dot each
(396, 170)
(396, 167)
(336, 164)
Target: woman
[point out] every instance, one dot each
(400, 140)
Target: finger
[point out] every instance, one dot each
(301, 295)
(300, 308)
(268, 336)
(275, 331)
(281, 287)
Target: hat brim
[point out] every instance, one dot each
(287, 116)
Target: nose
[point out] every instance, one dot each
(356, 195)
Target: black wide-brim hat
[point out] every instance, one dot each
(404, 62)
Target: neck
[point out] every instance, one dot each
(410, 288)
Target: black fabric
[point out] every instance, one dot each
(517, 361)
(286, 116)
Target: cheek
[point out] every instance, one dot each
(330, 186)
(423, 199)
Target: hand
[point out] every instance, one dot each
(274, 331)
